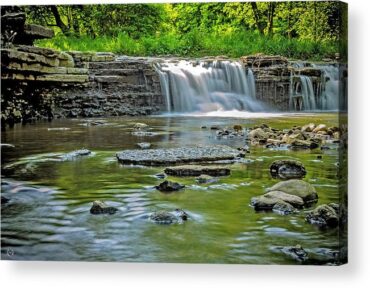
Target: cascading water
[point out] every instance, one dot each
(324, 95)
(206, 86)
(308, 94)
(330, 90)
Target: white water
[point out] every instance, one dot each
(207, 86)
(308, 94)
(330, 94)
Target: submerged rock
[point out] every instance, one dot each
(158, 157)
(197, 170)
(141, 127)
(283, 208)
(287, 169)
(298, 188)
(144, 145)
(168, 186)
(166, 217)
(296, 252)
(160, 176)
(100, 207)
(75, 154)
(205, 179)
(327, 216)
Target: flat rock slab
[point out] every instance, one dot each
(196, 170)
(172, 156)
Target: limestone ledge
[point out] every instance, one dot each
(46, 77)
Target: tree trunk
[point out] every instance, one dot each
(271, 14)
(58, 19)
(257, 17)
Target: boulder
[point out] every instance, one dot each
(324, 216)
(298, 188)
(258, 134)
(100, 207)
(262, 203)
(308, 128)
(168, 186)
(287, 169)
(144, 145)
(197, 170)
(320, 127)
(169, 217)
(293, 200)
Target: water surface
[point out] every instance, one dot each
(48, 216)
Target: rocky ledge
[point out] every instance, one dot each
(172, 156)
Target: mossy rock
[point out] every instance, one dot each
(298, 188)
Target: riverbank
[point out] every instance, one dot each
(198, 44)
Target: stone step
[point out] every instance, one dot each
(133, 79)
(62, 78)
(115, 72)
(119, 65)
(41, 69)
(11, 55)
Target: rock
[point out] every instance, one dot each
(298, 188)
(142, 133)
(258, 134)
(171, 156)
(308, 128)
(144, 145)
(141, 127)
(320, 127)
(336, 135)
(215, 127)
(166, 217)
(283, 208)
(245, 149)
(4, 200)
(205, 179)
(295, 252)
(168, 186)
(238, 128)
(197, 170)
(287, 169)
(262, 203)
(303, 144)
(100, 207)
(293, 200)
(75, 154)
(324, 216)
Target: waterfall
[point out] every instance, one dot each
(205, 86)
(330, 90)
(308, 94)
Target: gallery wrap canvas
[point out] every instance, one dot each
(210, 133)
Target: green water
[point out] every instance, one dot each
(48, 216)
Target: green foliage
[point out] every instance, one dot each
(305, 30)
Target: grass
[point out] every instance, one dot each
(196, 44)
